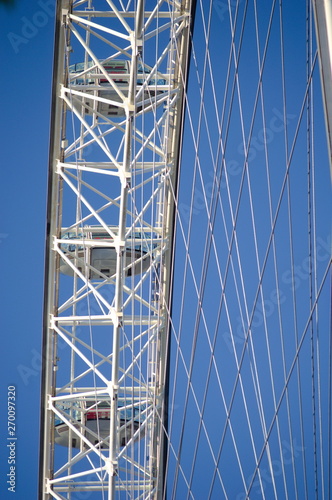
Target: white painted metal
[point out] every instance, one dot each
(105, 338)
(323, 22)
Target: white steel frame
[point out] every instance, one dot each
(323, 21)
(106, 339)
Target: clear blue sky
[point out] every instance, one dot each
(26, 54)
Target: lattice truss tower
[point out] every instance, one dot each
(119, 77)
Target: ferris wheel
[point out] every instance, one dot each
(186, 346)
(119, 79)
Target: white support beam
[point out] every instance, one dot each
(323, 22)
(117, 119)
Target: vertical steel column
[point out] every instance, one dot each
(323, 22)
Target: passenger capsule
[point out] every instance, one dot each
(98, 262)
(94, 423)
(88, 78)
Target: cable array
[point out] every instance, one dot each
(250, 329)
